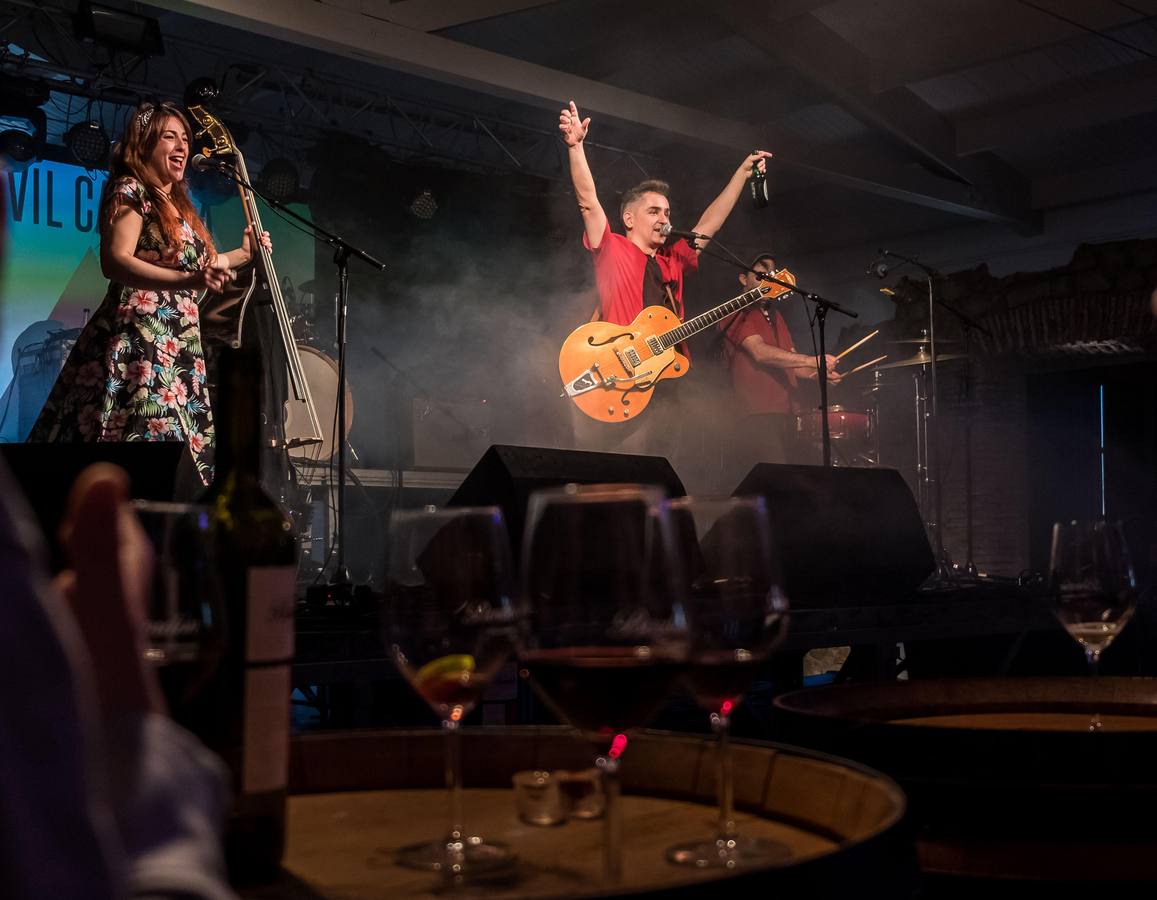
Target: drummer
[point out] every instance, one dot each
(765, 368)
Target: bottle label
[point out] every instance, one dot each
(270, 609)
(265, 766)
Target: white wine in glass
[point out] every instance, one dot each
(1092, 585)
(450, 619)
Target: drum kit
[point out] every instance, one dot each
(855, 432)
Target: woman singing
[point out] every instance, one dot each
(137, 372)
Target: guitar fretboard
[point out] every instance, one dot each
(709, 318)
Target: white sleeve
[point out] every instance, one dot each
(170, 800)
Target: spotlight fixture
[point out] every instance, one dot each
(118, 30)
(19, 146)
(201, 90)
(88, 143)
(22, 130)
(424, 206)
(280, 180)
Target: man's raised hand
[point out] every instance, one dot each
(756, 159)
(573, 128)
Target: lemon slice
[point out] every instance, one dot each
(452, 668)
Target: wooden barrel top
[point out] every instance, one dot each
(1004, 776)
(1060, 704)
(360, 796)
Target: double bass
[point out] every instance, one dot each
(223, 315)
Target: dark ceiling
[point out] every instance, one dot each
(887, 117)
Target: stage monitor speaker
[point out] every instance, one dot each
(46, 472)
(506, 476)
(846, 536)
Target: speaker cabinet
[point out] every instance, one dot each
(846, 535)
(506, 476)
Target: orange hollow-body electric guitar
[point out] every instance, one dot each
(610, 371)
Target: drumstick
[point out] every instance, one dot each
(857, 343)
(865, 365)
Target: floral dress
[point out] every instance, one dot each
(137, 371)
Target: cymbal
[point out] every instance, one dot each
(921, 359)
(923, 340)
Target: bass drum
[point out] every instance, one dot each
(321, 376)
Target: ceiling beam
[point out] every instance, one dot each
(435, 15)
(1098, 183)
(814, 50)
(353, 34)
(1061, 109)
(909, 183)
(958, 36)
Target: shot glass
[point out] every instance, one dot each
(582, 793)
(537, 798)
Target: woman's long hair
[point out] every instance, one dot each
(129, 159)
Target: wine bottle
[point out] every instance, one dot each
(245, 710)
(758, 185)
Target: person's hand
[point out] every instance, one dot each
(106, 587)
(247, 242)
(216, 276)
(755, 159)
(811, 371)
(572, 127)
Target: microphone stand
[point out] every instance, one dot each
(340, 587)
(822, 305)
(821, 313)
(945, 570)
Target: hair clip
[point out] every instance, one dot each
(145, 116)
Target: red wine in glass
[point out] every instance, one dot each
(603, 690)
(607, 639)
(737, 615)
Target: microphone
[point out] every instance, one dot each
(666, 229)
(203, 163)
(879, 266)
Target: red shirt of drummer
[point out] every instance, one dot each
(619, 270)
(760, 389)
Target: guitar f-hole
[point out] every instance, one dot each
(592, 342)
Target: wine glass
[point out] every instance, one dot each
(184, 619)
(1092, 585)
(608, 637)
(737, 614)
(450, 619)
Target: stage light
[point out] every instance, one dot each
(201, 91)
(22, 130)
(19, 146)
(88, 143)
(424, 206)
(118, 29)
(279, 179)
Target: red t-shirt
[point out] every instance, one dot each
(619, 270)
(761, 389)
